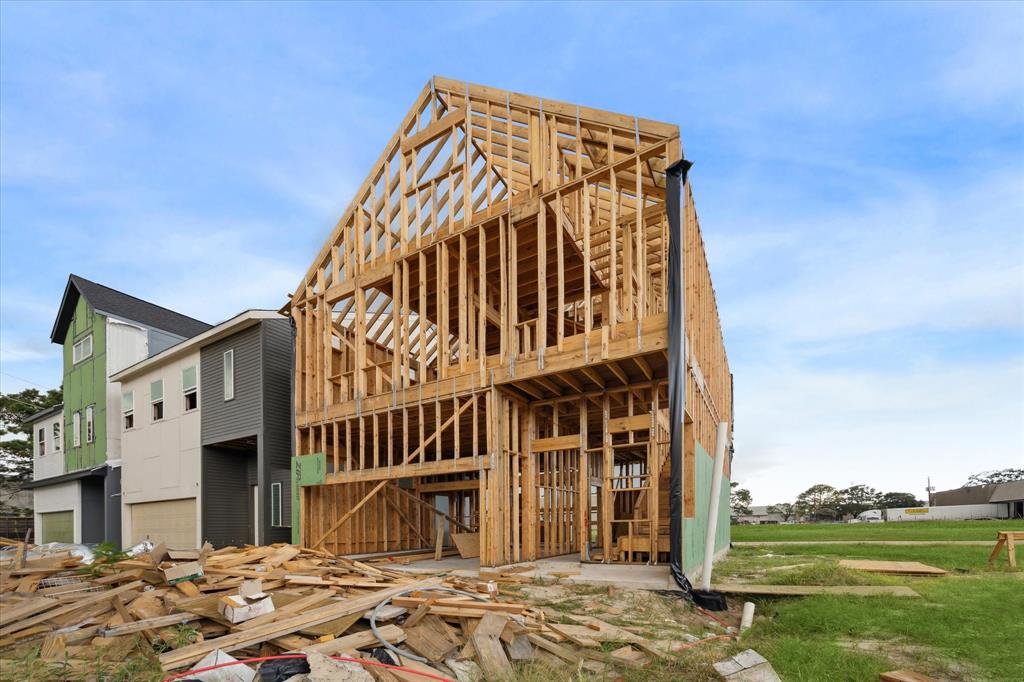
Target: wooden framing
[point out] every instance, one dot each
(482, 341)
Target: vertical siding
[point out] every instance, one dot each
(694, 529)
(84, 385)
(277, 420)
(227, 507)
(228, 419)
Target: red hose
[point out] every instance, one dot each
(360, 661)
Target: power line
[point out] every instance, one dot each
(45, 388)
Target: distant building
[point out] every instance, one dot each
(761, 516)
(77, 476)
(1009, 497)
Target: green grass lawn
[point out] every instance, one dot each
(907, 530)
(966, 626)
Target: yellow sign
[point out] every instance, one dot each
(919, 510)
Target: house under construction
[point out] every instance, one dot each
(497, 333)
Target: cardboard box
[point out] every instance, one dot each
(182, 572)
(231, 673)
(237, 608)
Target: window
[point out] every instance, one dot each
(90, 424)
(275, 504)
(128, 409)
(76, 428)
(189, 388)
(56, 436)
(156, 396)
(42, 442)
(229, 374)
(82, 350)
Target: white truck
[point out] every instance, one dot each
(957, 512)
(954, 512)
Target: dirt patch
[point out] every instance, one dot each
(915, 657)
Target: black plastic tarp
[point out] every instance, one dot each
(674, 186)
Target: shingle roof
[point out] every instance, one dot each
(45, 412)
(1011, 491)
(119, 304)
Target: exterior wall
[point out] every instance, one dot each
(84, 385)
(53, 498)
(261, 408)
(160, 460)
(694, 529)
(126, 345)
(277, 420)
(241, 416)
(52, 462)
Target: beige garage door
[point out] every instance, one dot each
(172, 522)
(58, 526)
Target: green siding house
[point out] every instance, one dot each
(101, 331)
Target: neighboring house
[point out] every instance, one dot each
(207, 437)
(102, 331)
(1008, 496)
(760, 515)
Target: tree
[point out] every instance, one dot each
(739, 500)
(898, 500)
(16, 435)
(818, 501)
(996, 476)
(856, 498)
(785, 510)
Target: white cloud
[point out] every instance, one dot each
(797, 427)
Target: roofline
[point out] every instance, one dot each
(67, 289)
(44, 413)
(240, 321)
(63, 300)
(100, 470)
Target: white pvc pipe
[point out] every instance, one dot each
(748, 616)
(716, 493)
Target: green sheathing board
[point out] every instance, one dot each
(306, 470)
(85, 384)
(695, 529)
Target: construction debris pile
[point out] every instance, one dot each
(195, 609)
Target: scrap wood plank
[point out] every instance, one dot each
(489, 650)
(896, 567)
(465, 603)
(357, 640)
(468, 544)
(234, 641)
(10, 614)
(905, 676)
(558, 650)
(60, 611)
(605, 632)
(148, 623)
(803, 590)
(432, 638)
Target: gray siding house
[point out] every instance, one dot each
(216, 465)
(247, 435)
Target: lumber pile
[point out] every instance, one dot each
(248, 602)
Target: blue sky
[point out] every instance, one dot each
(859, 175)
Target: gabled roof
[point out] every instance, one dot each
(44, 413)
(119, 304)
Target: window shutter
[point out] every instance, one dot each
(156, 390)
(127, 401)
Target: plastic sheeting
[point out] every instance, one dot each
(674, 184)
